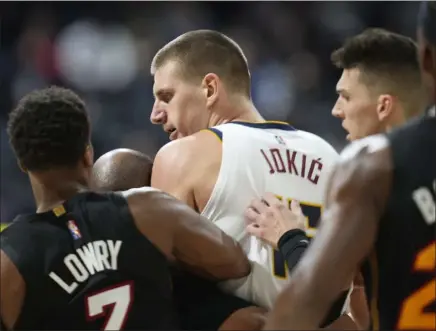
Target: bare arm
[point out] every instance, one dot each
(172, 172)
(359, 304)
(356, 196)
(183, 234)
(13, 291)
(188, 168)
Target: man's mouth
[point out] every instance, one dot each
(348, 137)
(172, 133)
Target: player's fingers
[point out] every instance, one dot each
(259, 205)
(251, 215)
(273, 201)
(255, 230)
(267, 219)
(295, 207)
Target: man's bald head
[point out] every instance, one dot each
(122, 169)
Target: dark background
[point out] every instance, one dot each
(103, 51)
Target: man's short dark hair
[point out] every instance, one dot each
(201, 52)
(385, 60)
(48, 129)
(377, 50)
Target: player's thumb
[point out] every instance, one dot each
(255, 230)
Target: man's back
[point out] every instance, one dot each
(86, 255)
(260, 157)
(400, 277)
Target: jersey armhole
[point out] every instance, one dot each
(216, 132)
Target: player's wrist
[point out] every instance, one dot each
(292, 244)
(291, 236)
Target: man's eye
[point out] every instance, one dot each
(166, 98)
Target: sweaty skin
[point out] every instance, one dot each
(356, 197)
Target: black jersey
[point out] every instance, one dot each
(87, 267)
(400, 277)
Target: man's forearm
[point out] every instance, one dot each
(292, 245)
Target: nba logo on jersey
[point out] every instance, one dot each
(280, 140)
(74, 230)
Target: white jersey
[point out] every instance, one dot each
(258, 158)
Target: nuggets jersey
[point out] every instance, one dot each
(258, 158)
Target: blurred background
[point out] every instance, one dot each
(103, 51)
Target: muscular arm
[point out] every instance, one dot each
(357, 193)
(13, 290)
(172, 172)
(183, 234)
(292, 245)
(187, 168)
(359, 304)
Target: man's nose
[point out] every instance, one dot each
(158, 116)
(337, 112)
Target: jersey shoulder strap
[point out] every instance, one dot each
(268, 125)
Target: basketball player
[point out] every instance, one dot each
(223, 153)
(380, 88)
(121, 169)
(381, 84)
(82, 251)
(380, 209)
(199, 302)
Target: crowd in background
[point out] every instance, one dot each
(103, 51)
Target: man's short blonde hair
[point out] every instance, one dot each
(201, 52)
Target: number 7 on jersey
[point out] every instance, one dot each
(114, 301)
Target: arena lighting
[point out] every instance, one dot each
(95, 58)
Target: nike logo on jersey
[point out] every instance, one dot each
(94, 257)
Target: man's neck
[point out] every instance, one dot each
(50, 192)
(396, 121)
(243, 111)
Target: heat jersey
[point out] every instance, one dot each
(400, 275)
(266, 157)
(87, 267)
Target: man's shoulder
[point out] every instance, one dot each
(188, 149)
(180, 164)
(365, 146)
(318, 144)
(366, 162)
